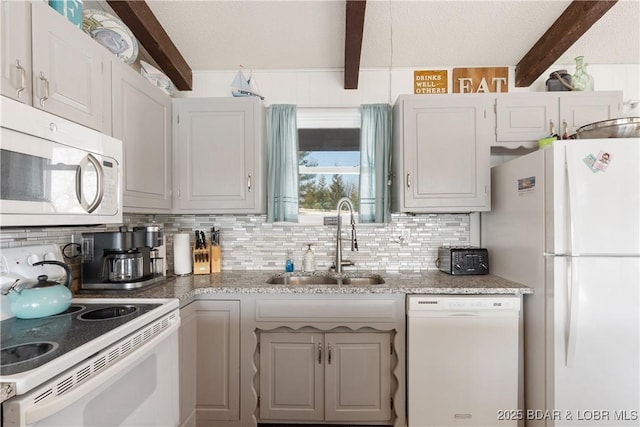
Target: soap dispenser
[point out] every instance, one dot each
(288, 267)
(309, 260)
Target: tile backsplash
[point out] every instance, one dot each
(250, 243)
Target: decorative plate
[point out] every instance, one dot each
(111, 33)
(157, 77)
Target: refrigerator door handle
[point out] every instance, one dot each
(570, 328)
(570, 205)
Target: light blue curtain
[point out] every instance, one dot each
(375, 159)
(282, 142)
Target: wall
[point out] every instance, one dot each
(324, 88)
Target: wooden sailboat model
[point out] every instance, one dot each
(242, 86)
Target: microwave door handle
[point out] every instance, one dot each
(93, 205)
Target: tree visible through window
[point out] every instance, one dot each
(329, 168)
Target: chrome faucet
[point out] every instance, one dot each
(338, 263)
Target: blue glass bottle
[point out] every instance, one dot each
(289, 264)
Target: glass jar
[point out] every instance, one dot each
(581, 80)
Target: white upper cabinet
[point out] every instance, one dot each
(70, 72)
(142, 120)
(63, 71)
(15, 50)
(528, 117)
(441, 153)
(220, 157)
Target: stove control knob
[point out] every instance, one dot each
(32, 259)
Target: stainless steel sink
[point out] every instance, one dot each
(302, 280)
(373, 279)
(342, 279)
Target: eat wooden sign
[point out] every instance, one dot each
(481, 80)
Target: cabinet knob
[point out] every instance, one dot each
(408, 181)
(319, 353)
(329, 354)
(249, 182)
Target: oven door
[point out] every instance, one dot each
(139, 390)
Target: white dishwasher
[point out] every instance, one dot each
(463, 360)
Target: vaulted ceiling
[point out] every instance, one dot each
(326, 34)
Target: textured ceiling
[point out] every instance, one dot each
(307, 34)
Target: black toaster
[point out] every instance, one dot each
(463, 260)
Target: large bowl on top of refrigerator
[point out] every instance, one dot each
(626, 127)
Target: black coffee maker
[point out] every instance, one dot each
(120, 260)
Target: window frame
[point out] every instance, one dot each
(326, 118)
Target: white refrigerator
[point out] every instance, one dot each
(565, 220)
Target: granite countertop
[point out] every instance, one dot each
(188, 287)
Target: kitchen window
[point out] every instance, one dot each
(329, 160)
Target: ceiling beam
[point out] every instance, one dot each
(145, 26)
(577, 18)
(353, 42)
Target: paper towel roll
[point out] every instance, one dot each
(181, 254)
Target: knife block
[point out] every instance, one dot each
(215, 258)
(201, 261)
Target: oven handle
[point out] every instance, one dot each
(93, 205)
(40, 412)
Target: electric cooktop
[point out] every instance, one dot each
(27, 344)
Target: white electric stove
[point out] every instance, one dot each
(111, 360)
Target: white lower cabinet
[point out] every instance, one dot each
(210, 364)
(314, 376)
(188, 366)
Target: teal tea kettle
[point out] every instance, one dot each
(42, 299)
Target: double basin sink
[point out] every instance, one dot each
(319, 279)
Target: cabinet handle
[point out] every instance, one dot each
(408, 181)
(23, 78)
(249, 182)
(319, 353)
(46, 89)
(552, 128)
(329, 354)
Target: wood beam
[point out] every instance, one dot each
(577, 18)
(353, 42)
(145, 26)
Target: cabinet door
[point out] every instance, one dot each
(142, 120)
(218, 360)
(580, 109)
(220, 156)
(291, 376)
(358, 377)
(446, 154)
(68, 75)
(15, 50)
(188, 360)
(526, 117)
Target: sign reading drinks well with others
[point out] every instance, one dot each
(430, 81)
(481, 80)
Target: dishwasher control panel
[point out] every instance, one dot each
(463, 260)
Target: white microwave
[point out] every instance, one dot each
(56, 172)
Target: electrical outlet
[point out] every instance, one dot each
(405, 236)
